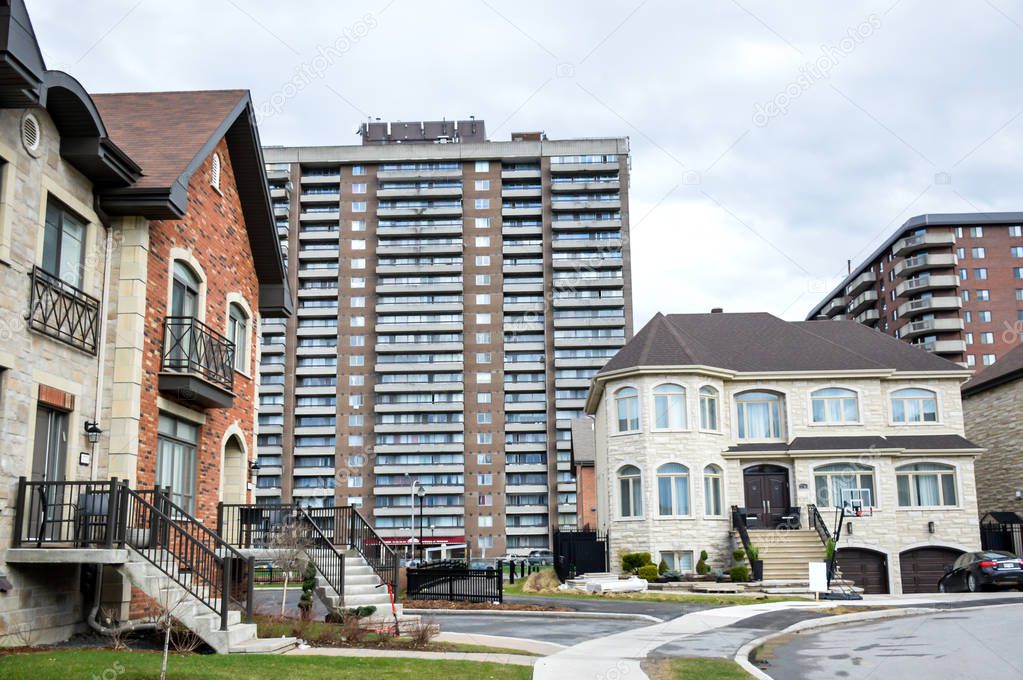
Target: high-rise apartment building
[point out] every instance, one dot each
(949, 283)
(454, 296)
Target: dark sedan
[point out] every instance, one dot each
(977, 571)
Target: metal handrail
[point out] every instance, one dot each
(329, 562)
(360, 536)
(62, 311)
(817, 522)
(190, 346)
(740, 526)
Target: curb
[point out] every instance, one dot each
(518, 612)
(742, 656)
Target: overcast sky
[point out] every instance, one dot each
(771, 141)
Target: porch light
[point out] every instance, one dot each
(930, 527)
(92, 431)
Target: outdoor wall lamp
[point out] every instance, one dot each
(92, 431)
(1019, 494)
(930, 527)
(848, 528)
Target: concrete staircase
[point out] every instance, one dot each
(362, 588)
(786, 553)
(239, 638)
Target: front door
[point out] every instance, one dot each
(767, 495)
(49, 459)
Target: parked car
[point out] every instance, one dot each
(975, 571)
(481, 564)
(541, 557)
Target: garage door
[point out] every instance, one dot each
(866, 568)
(923, 568)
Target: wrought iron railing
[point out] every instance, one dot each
(74, 514)
(329, 562)
(739, 524)
(63, 312)
(817, 522)
(190, 346)
(352, 530)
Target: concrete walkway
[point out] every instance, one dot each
(509, 659)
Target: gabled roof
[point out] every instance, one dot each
(1005, 370)
(761, 343)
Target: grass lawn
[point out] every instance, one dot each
(660, 596)
(705, 669)
(66, 664)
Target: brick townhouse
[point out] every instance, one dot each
(137, 255)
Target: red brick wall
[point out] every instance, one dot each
(586, 496)
(213, 229)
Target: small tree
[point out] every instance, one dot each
(289, 544)
(305, 603)
(702, 568)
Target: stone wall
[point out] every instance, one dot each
(994, 420)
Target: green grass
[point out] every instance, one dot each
(686, 669)
(659, 596)
(86, 664)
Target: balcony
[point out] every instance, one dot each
(943, 346)
(197, 363)
(860, 302)
(869, 317)
(929, 326)
(925, 261)
(833, 308)
(931, 304)
(860, 283)
(63, 312)
(926, 282)
(911, 244)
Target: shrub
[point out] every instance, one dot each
(631, 562)
(662, 568)
(305, 603)
(738, 554)
(422, 632)
(702, 568)
(753, 552)
(672, 575)
(648, 572)
(340, 615)
(829, 549)
(739, 573)
(543, 581)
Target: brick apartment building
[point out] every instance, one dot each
(949, 283)
(454, 296)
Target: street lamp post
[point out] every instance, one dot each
(421, 492)
(412, 522)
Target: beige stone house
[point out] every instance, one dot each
(707, 420)
(993, 406)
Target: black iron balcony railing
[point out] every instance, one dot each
(63, 312)
(190, 346)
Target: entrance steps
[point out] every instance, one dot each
(786, 553)
(362, 588)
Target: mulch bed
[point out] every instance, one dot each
(485, 606)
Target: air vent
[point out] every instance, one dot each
(215, 172)
(30, 133)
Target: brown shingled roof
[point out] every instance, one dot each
(1006, 369)
(165, 132)
(761, 342)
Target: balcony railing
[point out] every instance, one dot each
(63, 312)
(190, 346)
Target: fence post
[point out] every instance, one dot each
(122, 509)
(250, 602)
(511, 572)
(19, 513)
(111, 513)
(225, 592)
(500, 583)
(451, 588)
(220, 519)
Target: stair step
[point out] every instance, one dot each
(265, 646)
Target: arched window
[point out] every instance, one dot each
(184, 291)
(926, 485)
(712, 504)
(759, 415)
(837, 484)
(914, 405)
(627, 407)
(834, 405)
(630, 491)
(238, 334)
(215, 172)
(669, 407)
(708, 408)
(672, 490)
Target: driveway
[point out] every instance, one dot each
(559, 630)
(659, 610)
(964, 643)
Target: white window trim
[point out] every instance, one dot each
(653, 408)
(875, 470)
(656, 510)
(720, 415)
(783, 413)
(617, 494)
(810, 422)
(613, 410)
(235, 297)
(956, 471)
(725, 514)
(185, 255)
(923, 423)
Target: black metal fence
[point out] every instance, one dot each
(455, 585)
(1007, 537)
(580, 552)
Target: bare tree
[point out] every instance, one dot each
(289, 544)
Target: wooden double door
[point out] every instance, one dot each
(767, 495)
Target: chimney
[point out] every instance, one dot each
(717, 310)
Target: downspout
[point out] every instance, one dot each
(118, 630)
(101, 344)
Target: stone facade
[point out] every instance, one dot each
(993, 420)
(890, 530)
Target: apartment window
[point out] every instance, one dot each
(483, 319)
(358, 263)
(358, 282)
(1017, 273)
(482, 260)
(988, 359)
(708, 408)
(627, 407)
(630, 491)
(485, 521)
(358, 244)
(914, 405)
(177, 459)
(759, 415)
(356, 360)
(680, 561)
(484, 418)
(482, 241)
(484, 397)
(355, 481)
(969, 338)
(483, 357)
(966, 295)
(977, 232)
(237, 333)
(359, 188)
(354, 440)
(961, 253)
(357, 341)
(482, 222)
(482, 185)
(978, 253)
(482, 166)
(1016, 251)
(987, 338)
(1016, 230)
(672, 490)
(355, 420)
(359, 206)
(483, 279)
(358, 225)
(485, 500)
(485, 479)
(358, 301)
(358, 321)
(926, 485)
(355, 401)
(837, 484)
(482, 203)
(482, 338)
(712, 484)
(63, 244)
(983, 295)
(980, 274)
(964, 274)
(358, 170)
(971, 360)
(484, 438)
(834, 406)
(483, 298)
(968, 316)
(959, 232)
(1019, 294)
(356, 380)
(984, 316)
(483, 378)
(484, 459)
(356, 460)
(669, 407)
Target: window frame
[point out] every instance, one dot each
(921, 423)
(616, 400)
(939, 470)
(860, 469)
(717, 408)
(673, 476)
(719, 478)
(241, 347)
(634, 480)
(740, 414)
(855, 395)
(679, 391)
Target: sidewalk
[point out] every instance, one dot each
(510, 659)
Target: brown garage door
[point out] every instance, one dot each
(866, 568)
(923, 568)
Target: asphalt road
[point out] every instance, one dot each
(953, 644)
(661, 610)
(561, 631)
